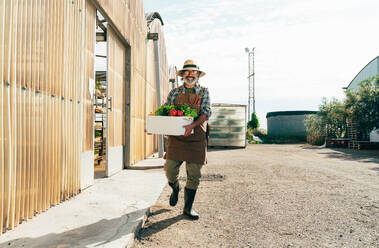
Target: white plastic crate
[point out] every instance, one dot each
(167, 125)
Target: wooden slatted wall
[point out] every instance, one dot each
(40, 101)
(138, 82)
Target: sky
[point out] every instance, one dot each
(304, 49)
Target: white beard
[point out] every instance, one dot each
(190, 83)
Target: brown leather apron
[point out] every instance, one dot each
(192, 148)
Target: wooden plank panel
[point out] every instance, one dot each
(33, 87)
(7, 156)
(60, 12)
(76, 90)
(53, 95)
(13, 101)
(23, 155)
(56, 105)
(72, 96)
(2, 138)
(28, 199)
(19, 113)
(22, 108)
(64, 74)
(19, 137)
(28, 83)
(36, 106)
(36, 114)
(42, 205)
(2, 193)
(70, 145)
(90, 18)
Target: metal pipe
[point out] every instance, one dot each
(159, 96)
(253, 81)
(249, 78)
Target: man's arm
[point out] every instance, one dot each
(198, 122)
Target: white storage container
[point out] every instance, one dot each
(227, 125)
(374, 135)
(167, 125)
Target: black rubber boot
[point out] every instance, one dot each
(175, 192)
(189, 197)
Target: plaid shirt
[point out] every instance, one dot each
(205, 105)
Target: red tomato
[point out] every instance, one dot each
(173, 112)
(179, 113)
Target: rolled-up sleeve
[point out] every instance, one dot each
(205, 106)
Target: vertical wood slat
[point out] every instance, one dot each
(49, 122)
(2, 138)
(22, 109)
(73, 94)
(60, 82)
(13, 99)
(54, 165)
(32, 109)
(75, 101)
(28, 78)
(7, 119)
(41, 204)
(18, 64)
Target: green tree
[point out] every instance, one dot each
(314, 126)
(254, 122)
(332, 116)
(362, 106)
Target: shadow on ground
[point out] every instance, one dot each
(96, 234)
(366, 156)
(151, 229)
(223, 148)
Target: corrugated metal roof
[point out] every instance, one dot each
(356, 76)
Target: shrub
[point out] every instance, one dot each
(254, 122)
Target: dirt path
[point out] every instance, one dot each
(275, 196)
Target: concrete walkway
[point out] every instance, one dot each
(107, 214)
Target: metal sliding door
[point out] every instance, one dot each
(116, 108)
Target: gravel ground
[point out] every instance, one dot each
(275, 196)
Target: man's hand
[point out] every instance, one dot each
(189, 129)
(198, 122)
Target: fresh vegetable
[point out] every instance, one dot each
(164, 110)
(172, 110)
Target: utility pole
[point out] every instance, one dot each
(251, 78)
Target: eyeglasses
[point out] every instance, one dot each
(191, 71)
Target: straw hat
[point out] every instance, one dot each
(189, 64)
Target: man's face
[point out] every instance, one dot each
(190, 77)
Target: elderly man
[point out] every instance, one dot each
(191, 147)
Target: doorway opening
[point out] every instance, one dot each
(101, 98)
